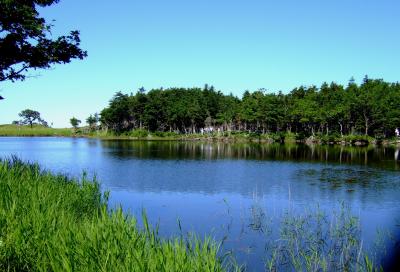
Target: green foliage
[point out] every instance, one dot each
(54, 223)
(362, 139)
(301, 136)
(25, 40)
(138, 133)
(75, 122)
(166, 134)
(92, 121)
(331, 138)
(371, 109)
(117, 116)
(36, 130)
(30, 117)
(275, 137)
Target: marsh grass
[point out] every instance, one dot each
(54, 223)
(316, 241)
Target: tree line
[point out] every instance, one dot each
(370, 108)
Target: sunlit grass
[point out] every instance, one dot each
(36, 130)
(53, 223)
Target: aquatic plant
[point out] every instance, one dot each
(54, 223)
(316, 241)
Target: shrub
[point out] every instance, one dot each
(138, 133)
(352, 139)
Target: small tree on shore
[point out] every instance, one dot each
(30, 117)
(75, 123)
(92, 121)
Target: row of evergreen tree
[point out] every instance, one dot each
(371, 108)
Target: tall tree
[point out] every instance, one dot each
(26, 43)
(372, 108)
(117, 116)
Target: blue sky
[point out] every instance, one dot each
(233, 45)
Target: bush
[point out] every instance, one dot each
(159, 134)
(353, 139)
(138, 133)
(301, 136)
(276, 137)
(164, 134)
(331, 138)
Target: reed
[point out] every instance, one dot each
(316, 241)
(54, 223)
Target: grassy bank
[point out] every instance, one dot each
(234, 136)
(36, 130)
(53, 223)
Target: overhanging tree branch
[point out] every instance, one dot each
(26, 40)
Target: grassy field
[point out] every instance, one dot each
(36, 130)
(52, 223)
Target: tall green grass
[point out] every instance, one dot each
(53, 223)
(36, 130)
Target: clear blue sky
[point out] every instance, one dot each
(233, 45)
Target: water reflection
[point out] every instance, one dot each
(372, 156)
(232, 187)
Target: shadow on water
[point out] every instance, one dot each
(349, 178)
(382, 157)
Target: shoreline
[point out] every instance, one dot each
(217, 139)
(227, 137)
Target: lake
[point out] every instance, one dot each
(229, 191)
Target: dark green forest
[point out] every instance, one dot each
(371, 108)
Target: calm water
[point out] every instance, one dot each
(212, 188)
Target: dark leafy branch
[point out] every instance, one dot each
(26, 42)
